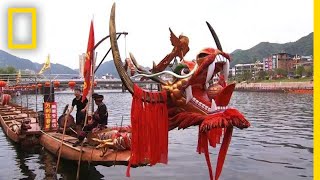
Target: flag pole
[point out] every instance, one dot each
(92, 106)
(50, 95)
(36, 94)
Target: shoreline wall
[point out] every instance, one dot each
(274, 86)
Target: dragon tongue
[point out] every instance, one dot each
(189, 95)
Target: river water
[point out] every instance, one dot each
(278, 145)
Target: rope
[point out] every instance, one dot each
(125, 45)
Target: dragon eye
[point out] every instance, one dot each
(202, 55)
(185, 71)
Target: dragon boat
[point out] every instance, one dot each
(107, 152)
(20, 124)
(197, 95)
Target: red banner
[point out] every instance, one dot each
(88, 63)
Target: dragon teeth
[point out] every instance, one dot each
(226, 67)
(220, 58)
(207, 85)
(189, 95)
(213, 106)
(210, 71)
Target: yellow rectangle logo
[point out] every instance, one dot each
(33, 44)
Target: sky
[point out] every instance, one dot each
(63, 26)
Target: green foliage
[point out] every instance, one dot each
(309, 71)
(303, 46)
(8, 70)
(281, 72)
(246, 76)
(262, 75)
(300, 70)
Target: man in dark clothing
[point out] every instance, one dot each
(101, 114)
(99, 118)
(81, 108)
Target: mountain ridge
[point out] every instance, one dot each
(303, 46)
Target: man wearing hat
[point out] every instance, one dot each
(99, 118)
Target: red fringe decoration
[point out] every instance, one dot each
(213, 136)
(228, 118)
(149, 120)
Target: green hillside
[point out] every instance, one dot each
(303, 46)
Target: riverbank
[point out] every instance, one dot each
(298, 87)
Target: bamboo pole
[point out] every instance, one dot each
(89, 108)
(64, 131)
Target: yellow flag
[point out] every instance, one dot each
(46, 65)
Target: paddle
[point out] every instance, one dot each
(64, 131)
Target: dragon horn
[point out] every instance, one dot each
(215, 37)
(115, 52)
(156, 79)
(154, 65)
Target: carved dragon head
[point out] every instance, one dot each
(199, 90)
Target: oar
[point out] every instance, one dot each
(64, 131)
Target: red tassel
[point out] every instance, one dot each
(213, 136)
(203, 148)
(223, 151)
(149, 119)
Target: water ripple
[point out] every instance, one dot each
(278, 145)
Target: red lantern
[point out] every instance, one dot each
(72, 84)
(95, 84)
(56, 84)
(34, 86)
(29, 87)
(39, 85)
(47, 84)
(3, 83)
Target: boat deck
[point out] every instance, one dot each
(52, 142)
(12, 115)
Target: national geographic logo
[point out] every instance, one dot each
(22, 28)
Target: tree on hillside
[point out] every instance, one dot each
(8, 70)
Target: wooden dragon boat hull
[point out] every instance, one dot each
(10, 116)
(52, 142)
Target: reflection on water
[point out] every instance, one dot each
(278, 145)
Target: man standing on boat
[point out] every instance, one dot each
(81, 108)
(99, 118)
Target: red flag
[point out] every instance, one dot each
(88, 63)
